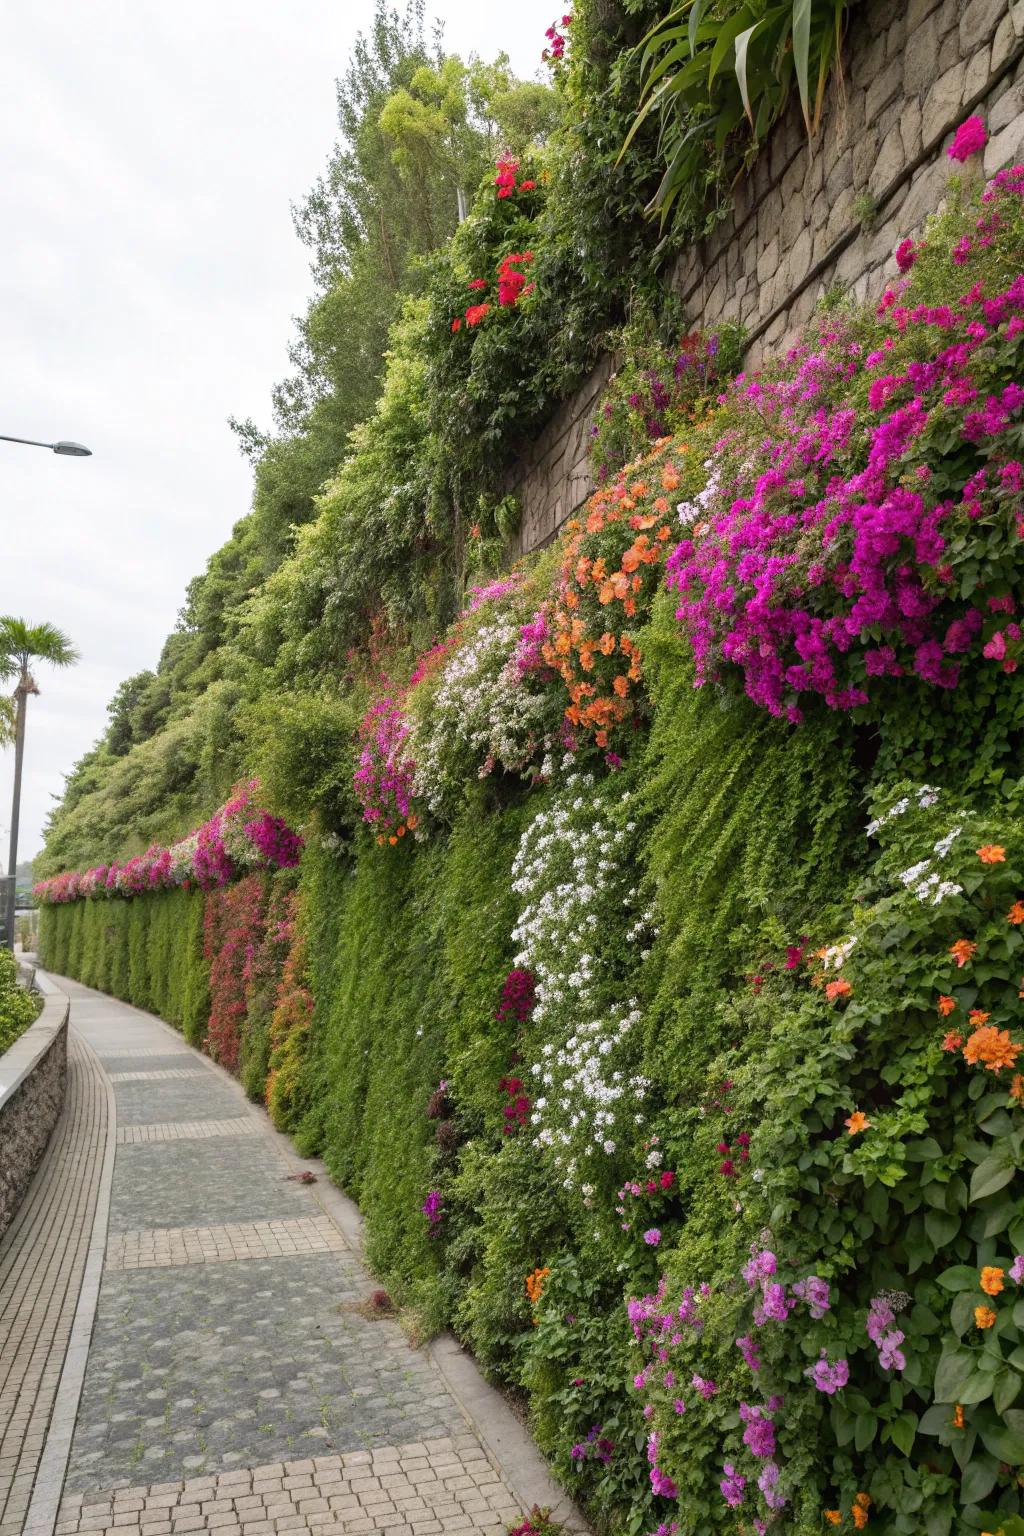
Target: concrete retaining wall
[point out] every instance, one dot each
(33, 1076)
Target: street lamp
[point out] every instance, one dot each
(73, 450)
(8, 886)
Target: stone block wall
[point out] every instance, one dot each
(33, 1076)
(811, 217)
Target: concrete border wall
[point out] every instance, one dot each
(807, 218)
(33, 1077)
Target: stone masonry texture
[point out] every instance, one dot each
(809, 218)
(27, 1120)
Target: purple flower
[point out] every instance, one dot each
(652, 1237)
(815, 1293)
(767, 1482)
(827, 1377)
(749, 1350)
(890, 1356)
(759, 1435)
(1017, 1270)
(707, 1389)
(431, 1209)
(732, 1486)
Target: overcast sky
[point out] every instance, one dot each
(148, 275)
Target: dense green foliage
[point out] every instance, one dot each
(635, 1052)
(18, 1008)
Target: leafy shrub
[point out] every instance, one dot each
(18, 1008)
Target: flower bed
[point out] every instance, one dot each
(238, 837)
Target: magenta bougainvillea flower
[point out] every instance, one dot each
(969, 139)
(237, 838)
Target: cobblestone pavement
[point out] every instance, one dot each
(236, 1381)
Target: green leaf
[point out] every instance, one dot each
(961, 1277)
(978, 1388)
(991, 1175)
(903, 1431)
(864, 1430)
(999, 1216)
(1006, 1390)
(731, 29)
(1005, 1440)
(742, 44)
(978, 1480)
(801, 52)
(998, 1124)
(942, 1227)
(961, 1314)
(954, 1370)
(924, 1151)
(695, 14)
(935, 1420)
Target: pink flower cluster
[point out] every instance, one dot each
(557, 40)
(829, 556)
(238, 838)
(383, 778)
(969, 139)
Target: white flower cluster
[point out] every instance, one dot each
(483, 716)
(835, 956)
(926, 795)
(697, 510)
(927, 883)
(570, 875)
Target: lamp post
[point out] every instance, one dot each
(25, 687)
(72, 450)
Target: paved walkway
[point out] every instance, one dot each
(235, 1380)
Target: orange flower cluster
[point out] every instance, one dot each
(992, 1048)
(535, 1284)
(1016, 914)
(610, 559)
(946, 1005)
(411, 821)
(857, 1122)
(962, 951)
(859, 1512)
(840, 988)
(984, 1317)
(991, 853)
(992, 1281)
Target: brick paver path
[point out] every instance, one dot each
(235, 1381)
(42, 1263)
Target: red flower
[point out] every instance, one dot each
(478, 282)
(667, 1180)
(456, 325)
(476, 312)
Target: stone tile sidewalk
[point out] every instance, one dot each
(235, 1380)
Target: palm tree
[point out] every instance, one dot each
(20, 644)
